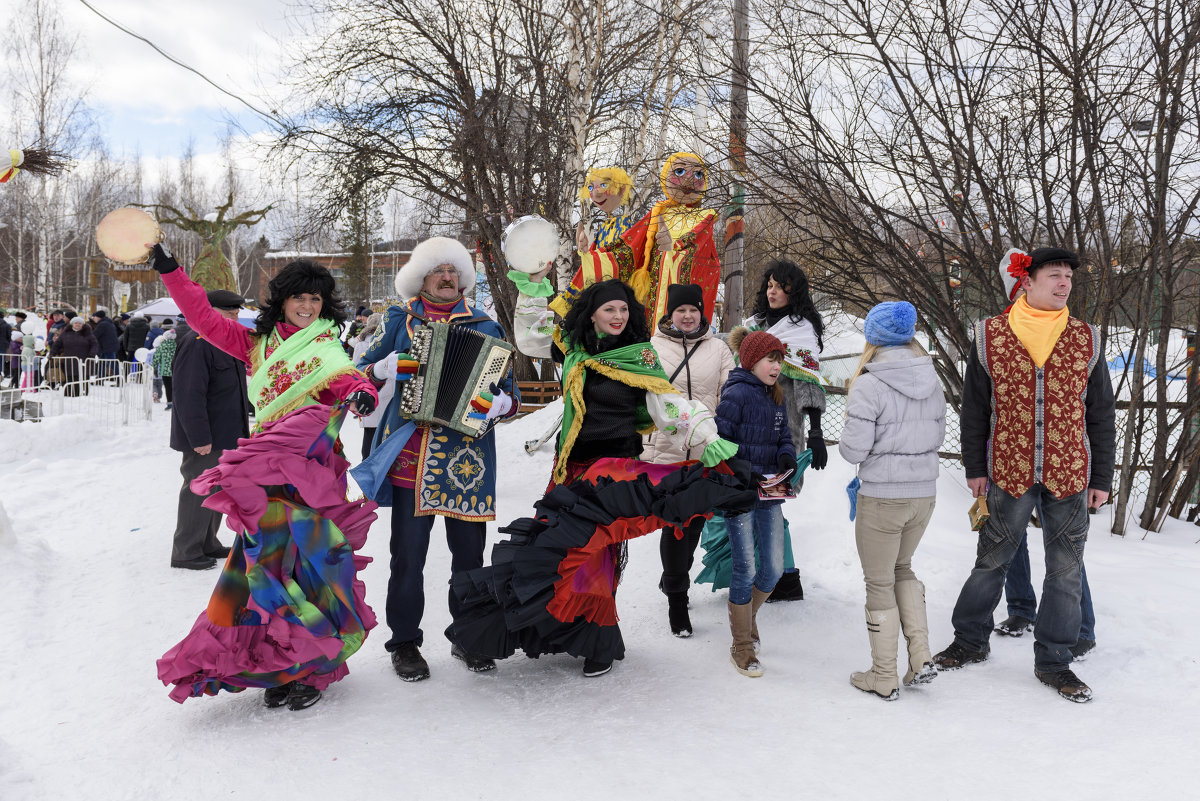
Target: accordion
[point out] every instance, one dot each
(455, 365)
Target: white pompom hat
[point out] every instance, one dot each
(426, 257)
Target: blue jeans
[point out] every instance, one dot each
(1064, 531)
(764, 525)
(1018, 592)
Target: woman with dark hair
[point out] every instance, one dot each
(288, 608)
(550, 589)
(783, 307)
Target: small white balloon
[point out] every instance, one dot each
(142, 355)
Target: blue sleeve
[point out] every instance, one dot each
(392, 335)
(729, 414)
(786, 445)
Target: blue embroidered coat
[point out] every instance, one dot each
(456, 474)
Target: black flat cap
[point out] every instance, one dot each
(224, 299)
(1044, 256)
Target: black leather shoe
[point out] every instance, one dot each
(408, 662)
(302, 696)
(275, 697)
(593, 668)
(474, 662)
(955, 657)
(1069, 685)
(219, 553)
(1081, 649)
(199, 563)
(1014, 626)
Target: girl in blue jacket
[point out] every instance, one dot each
(752, 414)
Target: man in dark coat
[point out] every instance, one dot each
(211, 411)
(5, 338)
(69, 350)
(134, 336)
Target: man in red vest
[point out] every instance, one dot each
(1038, 430)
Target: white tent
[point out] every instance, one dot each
(161, 308)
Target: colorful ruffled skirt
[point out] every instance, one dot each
(288, 605)
(551, 587)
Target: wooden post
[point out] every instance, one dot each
(734, 261)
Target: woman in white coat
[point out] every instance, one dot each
(697, 364)
(896, 420)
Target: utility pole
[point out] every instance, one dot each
(734, 261)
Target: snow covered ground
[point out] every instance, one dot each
(93, 604)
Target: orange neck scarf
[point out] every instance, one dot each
(1038, 330)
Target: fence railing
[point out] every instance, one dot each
(110, 391)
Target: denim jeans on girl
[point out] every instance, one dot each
(1022, 600)
(765, 525)
(1064, 530)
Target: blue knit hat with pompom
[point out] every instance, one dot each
(892, 323)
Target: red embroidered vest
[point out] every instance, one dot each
(1038, 433)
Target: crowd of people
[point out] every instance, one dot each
(50, 349)
(667, 427)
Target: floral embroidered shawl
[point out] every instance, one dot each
(288, 373)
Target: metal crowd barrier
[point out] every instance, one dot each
(110, 391)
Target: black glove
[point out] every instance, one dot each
(364, 400)
(816, 443)
(162, 260)
(757, 478)
(785, 462)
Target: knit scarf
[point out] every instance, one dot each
(1038, 330)
(288, 373)
(635, 365)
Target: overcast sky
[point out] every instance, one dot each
(143, 101)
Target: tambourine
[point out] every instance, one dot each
(529, 242)
(122, 235)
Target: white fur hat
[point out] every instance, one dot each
(427, 256)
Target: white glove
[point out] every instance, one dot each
(386, 368)
(501, 404)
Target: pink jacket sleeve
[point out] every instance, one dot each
(227, 335)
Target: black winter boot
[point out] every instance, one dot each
(408, 662)
(302, 696)
(275, 697)
(788, 589)
(677, 614)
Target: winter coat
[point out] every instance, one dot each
(106, 335)
(896, 420)
(164, 355)
(79, 344)
(459, 478)
(155, 333)
(5, 332)
(135, 335)
(747, 416)
(211, 405)
(701, 379)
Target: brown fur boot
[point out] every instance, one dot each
(757, 599)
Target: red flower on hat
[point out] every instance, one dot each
(1018, 265)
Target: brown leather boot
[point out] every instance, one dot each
(883, 628)
(741, 653)
(910, 602)
(757, 599)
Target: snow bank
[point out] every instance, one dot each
(93, 603)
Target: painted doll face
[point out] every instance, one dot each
(605, 195)
(610, 319)
(686, 180)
